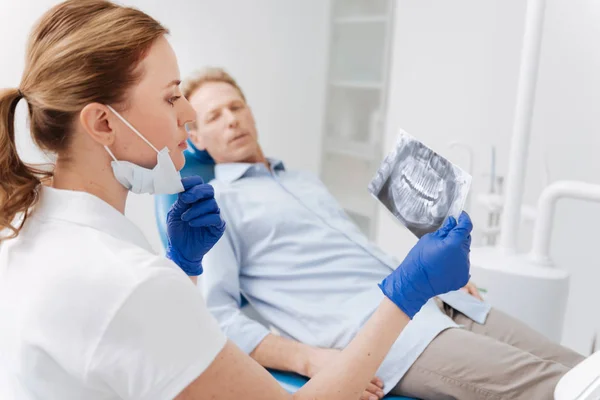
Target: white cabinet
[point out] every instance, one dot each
(359, 49)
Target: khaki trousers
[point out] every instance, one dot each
(502, 359)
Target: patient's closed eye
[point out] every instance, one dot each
(212, 117)
(236, 106)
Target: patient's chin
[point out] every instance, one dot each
(241, 154)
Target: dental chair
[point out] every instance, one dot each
(582, 382)
(201, 163)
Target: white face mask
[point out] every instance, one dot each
(162, 179)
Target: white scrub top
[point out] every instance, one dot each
(87, 311)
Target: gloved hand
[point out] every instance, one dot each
(437, 264)
(194, 225)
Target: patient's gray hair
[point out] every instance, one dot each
(205, 75)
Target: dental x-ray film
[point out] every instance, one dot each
(420, 187)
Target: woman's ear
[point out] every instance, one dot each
(94, 118)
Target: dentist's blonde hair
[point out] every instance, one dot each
(80, 52)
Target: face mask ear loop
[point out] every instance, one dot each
(132, 128)
(111, 154)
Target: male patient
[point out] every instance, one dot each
(305, 267)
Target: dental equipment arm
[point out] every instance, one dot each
(542, 234)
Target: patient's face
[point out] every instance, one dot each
(225, 126)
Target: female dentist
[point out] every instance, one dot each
(87, 311)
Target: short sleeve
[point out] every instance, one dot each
(159, 341)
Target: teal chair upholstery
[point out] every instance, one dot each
(200, 163)
(292, 382)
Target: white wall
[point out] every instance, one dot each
(567, 123)
(454, 77)
(275, 48)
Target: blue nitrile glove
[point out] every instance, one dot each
(194, 225)
(437, 264)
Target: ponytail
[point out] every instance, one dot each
(70, 58)
(18, 182)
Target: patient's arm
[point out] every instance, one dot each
(232, 375)
(222, 293)
(283, 354)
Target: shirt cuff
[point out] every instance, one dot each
(473, 308)
(245, 333)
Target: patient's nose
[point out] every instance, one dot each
(231, 118)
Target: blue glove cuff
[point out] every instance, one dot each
(410, 303)
(191, 268)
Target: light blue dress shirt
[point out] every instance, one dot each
(306, 268)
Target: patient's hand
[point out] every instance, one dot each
(471, 288)
(320, 357)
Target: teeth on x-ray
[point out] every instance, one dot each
(420, 187)
(420, 180)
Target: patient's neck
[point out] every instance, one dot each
(258, 158)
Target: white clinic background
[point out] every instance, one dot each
(453, 77)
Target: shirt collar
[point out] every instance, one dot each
(231, 172)
(85, 209)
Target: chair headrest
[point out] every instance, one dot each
(201, 156)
